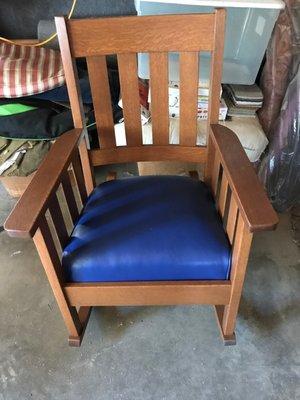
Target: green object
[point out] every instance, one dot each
(14, 108)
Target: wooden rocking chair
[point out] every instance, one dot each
(144, 240)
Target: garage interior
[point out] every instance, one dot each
(159, 352)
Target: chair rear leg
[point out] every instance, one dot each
(229, 339)
(84, 315)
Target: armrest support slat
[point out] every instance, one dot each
(250, 195)
(23, 220)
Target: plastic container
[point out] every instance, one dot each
(248, 29)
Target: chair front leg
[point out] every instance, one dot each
(227, 314)
(74, 321)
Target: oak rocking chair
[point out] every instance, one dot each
(157, 240)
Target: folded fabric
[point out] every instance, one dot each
(245, 92)
(21, 158)
(41, 123)
(245, 95)
(60, 94)
(239, 111)
(8, 148)
(28, 70)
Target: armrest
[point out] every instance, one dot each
(23, 220)
(250, 195)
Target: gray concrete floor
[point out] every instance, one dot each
(152, 353)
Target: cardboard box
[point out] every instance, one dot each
(16, 185)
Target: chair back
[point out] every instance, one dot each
(188, 35)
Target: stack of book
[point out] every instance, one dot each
(242, 100)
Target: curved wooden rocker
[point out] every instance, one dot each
(238, 196)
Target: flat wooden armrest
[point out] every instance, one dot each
(250, 195)
(23, 220)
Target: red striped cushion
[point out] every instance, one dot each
(28, 70)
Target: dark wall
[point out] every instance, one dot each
(19, 18)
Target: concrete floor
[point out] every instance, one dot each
(152, 353)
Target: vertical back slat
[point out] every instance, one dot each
(79, 178)
(215, 175)
(58, 221)
(127, 64)
(99, 81)
(232, 218)
(70, 198)
(89, 177)
(223, 194)
(188, 85)
(159, 83)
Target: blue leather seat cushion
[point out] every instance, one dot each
(146, 229)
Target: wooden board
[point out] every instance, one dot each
(101, 36)
(148, 293)
(159, 83)
(189, 78)
(99, 82)
(126, 154)
(249, 193)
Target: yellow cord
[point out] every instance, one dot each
(53, 36)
